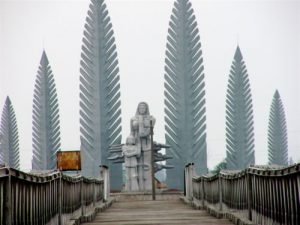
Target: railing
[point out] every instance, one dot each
(263, 195)
(51, 198)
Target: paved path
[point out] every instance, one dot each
(165, 212)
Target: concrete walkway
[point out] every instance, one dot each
(160, 212)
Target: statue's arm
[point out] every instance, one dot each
(130, 151)
(131, 154)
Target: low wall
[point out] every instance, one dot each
(144, 196)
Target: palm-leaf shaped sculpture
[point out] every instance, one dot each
(100, 105)
(9, 138)
(239, 117)
(184, 95)
(45, 119)
(277, 135)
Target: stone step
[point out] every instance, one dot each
(160, 212)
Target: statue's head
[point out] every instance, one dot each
(142, 109)
(130, 140)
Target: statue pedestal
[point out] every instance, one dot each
(147, 196)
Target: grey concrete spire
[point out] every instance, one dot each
(45, 119)
(239, 117)
(277, 133)
(100, 105)
(184, 95)
(9, 138)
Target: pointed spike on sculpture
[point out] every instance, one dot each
(276, 94)
(238, 54)
(8, 101)
(100, 105)
(277, 133)
(46, 123)
(9, 137)
(44, 57)
(44, 60)
(184, 95)
(239, 117)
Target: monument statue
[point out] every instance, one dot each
(45, 118)
(99, 77)
(136, 153)
(140, 130)
(185, 95)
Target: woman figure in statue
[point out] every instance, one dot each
(140, 130)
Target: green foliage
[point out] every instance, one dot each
(220, 166)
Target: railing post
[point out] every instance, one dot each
(220, 192)
(82, 196)
(59, 196)
(249, 186)
(94, 193)
(7, 200)
(202, 191)
(297, 187)
(104, 174)
(189, 173)
(184, 181)
(192, 174)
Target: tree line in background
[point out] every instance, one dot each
(184, 99)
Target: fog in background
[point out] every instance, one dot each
(268, 33)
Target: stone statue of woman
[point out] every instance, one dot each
(136, 153)
(140, 130)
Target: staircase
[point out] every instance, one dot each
(140, 210)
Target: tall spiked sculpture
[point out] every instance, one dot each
(277, 135)
(45, 119)
(9, 138)
(184, 95)
(100, 105)
(239, 117)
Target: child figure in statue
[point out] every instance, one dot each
(140, 130)
(131, 152)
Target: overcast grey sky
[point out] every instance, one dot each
(268, 33)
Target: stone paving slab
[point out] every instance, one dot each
(162, 212)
